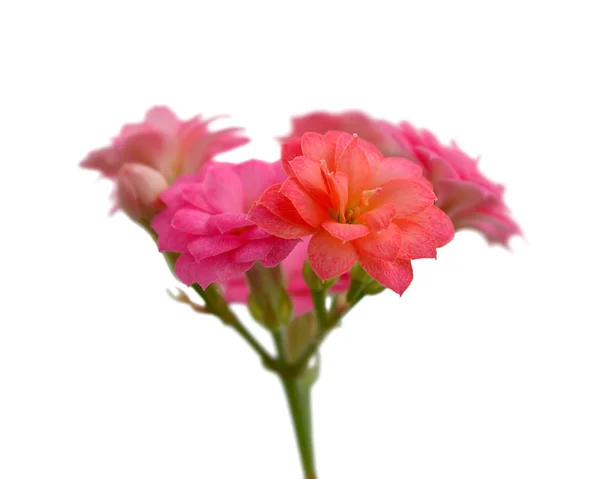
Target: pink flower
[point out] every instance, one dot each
(357, 206)
(205, 220)
(162, 146)
(463, 193)
(236, 289)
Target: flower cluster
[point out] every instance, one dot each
(349, 190)
(342, 214)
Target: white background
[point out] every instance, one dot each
(488, 367)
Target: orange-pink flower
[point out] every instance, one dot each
(357, 206)
(470, 199)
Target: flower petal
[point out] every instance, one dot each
(329, 256)
(316, 146)
(281, 249)
(207, 246)
(290, 150)
(281, 206)
(417, 242)
(310, 175)
(396, 168)
(437, 223)
(276, 225)
(256, 177)
(228, 221)
(378, 218)
(308, 208)
(354, 162)
(223, 189)
(190, 220)
(383, 245)
(396, 275)
(208, 270)
(345, 232)
(407, 196)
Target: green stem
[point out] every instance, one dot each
(298, 397)
(320, 309)
(219, 307)
(297, 393)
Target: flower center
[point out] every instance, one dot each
(353, 212)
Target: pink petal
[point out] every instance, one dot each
(276, 225)
(302, 302)
(354, 162)
(223, 189)
(310, 175)
(378, 218)
(383, 245)
(417, 242)
(407, 196)
(337, 183)
(196, 195)
(281, 249)
(170, 239)
(190, 220)
(281, 206)
(208, 270)
(145, 148)
(396, 168)
(437, 223)
(256, 177)
(345, 232)
(311, 211)
(253, 250)
(457, 196)
(290, 150)
(329, 256)
(162, 118)
(254, 233)
(104, 160)
(316, 146)
(396, 275)
(207, 246)
(235, 290)
(228, 221)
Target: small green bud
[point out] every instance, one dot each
(359, 274)
(310, 277)
(269, 302)
(374, 288)
(313, 281)
(299, 332)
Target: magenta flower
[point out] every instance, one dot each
(356, 206)
(205, 220)
(463, 193)
(236, 290)
(162, 148)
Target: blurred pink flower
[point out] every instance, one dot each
(356, 206)
(463, 193)
(236, 289)
(162, 145)
(205, 220)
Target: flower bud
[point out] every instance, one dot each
(138, 191)
(269, 302)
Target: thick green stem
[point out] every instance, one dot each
(297, 393)
(298, 397)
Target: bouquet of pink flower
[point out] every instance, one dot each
(351, 202)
